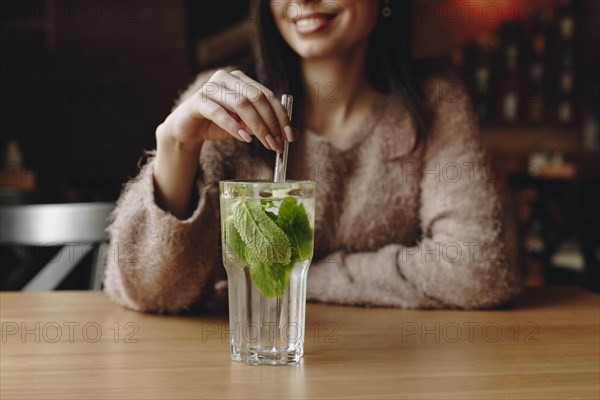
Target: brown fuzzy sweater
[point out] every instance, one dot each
(395, 226)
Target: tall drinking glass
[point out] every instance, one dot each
(267, 231)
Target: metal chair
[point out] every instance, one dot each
(68, 225)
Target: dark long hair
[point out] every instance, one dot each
(390, 66)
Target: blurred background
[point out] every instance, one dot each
(85, 83)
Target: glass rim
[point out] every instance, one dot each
(262, 181)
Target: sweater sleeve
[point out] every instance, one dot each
(157, 262)
(462, 259)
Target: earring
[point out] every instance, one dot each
(386, 11)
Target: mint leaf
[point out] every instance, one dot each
(267, 203)
(270, 244)
(271, 280)
(293, 220)
(235, 242)
(271, 215)
(261, 234)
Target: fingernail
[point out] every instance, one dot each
(289, 134)
(245, 135)
(269, 139)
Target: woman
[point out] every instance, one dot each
(405, 214)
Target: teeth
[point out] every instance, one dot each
(309, 21)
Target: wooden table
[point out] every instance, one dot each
(85, 346)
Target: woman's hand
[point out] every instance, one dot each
(229, 105)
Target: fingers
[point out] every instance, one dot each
(241, 106)
(214, 112)
(248, 100)
(226, 90)
(276, 107)
(250, 118)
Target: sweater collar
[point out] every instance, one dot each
(389, 123)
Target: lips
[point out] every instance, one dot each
(313, 23)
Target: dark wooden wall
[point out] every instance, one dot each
(85, 83)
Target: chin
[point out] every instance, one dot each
(323, 45)
(315, 50)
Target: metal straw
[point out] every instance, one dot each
(281, 159)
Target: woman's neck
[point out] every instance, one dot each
(336, 88)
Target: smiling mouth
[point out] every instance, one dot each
(313, 23)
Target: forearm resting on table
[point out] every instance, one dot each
(174, 174)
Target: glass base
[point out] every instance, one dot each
(265, 357)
